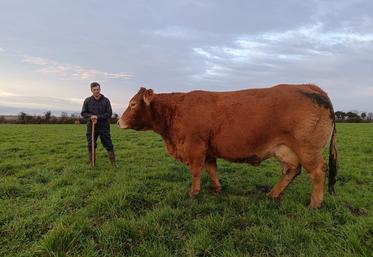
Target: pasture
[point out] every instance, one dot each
(53, 204)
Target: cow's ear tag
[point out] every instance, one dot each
(148, 96)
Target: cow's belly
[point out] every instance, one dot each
(250, 148)
(254, 155)
(237, 151)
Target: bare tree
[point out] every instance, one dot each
(22, 117)
(47, 116)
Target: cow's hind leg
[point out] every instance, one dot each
(289, 173)
(291, 168)
(316, 167)
(211, 169)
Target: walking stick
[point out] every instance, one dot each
(93, 145)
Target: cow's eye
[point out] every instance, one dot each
(132, 105)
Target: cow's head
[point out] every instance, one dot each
(138, 113)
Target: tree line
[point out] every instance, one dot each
(74, 118)
(353, 116)
(48, 118)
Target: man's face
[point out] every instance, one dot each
(95, 91)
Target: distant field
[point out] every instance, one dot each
(53, 204)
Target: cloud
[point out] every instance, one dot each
(16, 102)
(36, 60)
(274, 50)
(2, 50)
(71, 71)
(39, 102)
(118, 75)
(316, 35)
(6, 93)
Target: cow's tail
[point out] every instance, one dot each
(332, 160)
(333, 142)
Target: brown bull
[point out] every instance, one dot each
(290, 122)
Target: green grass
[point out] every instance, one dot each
(53, 204)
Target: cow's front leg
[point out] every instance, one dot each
(194, 154)
(195, 170)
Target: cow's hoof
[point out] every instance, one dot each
(214, 190)
(192, 194)
(314, 206)
(315, 202)
(272, 195)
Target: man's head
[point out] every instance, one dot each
(95, 89)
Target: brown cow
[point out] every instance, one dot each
(290, 122)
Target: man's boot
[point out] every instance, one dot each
(112, 158)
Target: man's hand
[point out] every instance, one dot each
(94, 119)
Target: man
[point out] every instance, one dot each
(97, 109)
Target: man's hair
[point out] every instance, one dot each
(95, 84)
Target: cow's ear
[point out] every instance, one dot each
(141, 90)
(148, 96)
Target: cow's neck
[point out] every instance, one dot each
(163, 108)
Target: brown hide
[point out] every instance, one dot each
(290, 122)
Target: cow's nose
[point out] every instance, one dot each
(121, 124)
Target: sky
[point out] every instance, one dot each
(50, 51)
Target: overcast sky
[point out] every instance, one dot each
(51, 50)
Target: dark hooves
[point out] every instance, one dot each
(214, 191)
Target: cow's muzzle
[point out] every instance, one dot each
(121, 124)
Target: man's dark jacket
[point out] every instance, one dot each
(101, 108)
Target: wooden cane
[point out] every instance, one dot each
(93, 145)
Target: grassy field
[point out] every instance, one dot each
(53, 204)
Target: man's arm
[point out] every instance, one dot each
(108, 112)
(85, 113)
